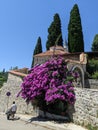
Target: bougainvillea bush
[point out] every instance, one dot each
(49, 86)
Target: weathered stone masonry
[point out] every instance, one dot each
(13, 86)
(85, 108)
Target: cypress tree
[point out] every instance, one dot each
(54, 31)
(95, 43)
(75, 35)
(38, 47)
(37, 50)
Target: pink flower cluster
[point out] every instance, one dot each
(51, 80)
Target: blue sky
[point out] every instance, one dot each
(23, 21)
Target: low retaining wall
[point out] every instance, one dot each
(86, 107)
(85, 110)
(91, 83)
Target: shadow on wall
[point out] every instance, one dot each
(87, 83)
(71, 111)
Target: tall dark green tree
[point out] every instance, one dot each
(37, 50)
(54, 31)
(75, 34)
(95, 43)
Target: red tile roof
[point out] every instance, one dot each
(23, 70)
(58, 50)
(19, 72)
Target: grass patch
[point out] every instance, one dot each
(97, 113)
(90, 127)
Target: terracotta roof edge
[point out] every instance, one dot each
(17, 73)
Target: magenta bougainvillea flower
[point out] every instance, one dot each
(50, 80)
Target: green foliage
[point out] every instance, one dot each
(37, 50)
(75, 35)
(92, 68)
(3, 77)
(90, 127)
(95, 75)
(54, 32)
(38, 47)
(95, 43)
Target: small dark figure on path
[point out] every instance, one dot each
(11, 111)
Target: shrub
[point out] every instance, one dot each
(92, 66)
(49, 85)
(90, 127)
(95, 75)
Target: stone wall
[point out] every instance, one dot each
(43, 59)
(13, 86)
(91, 83)
(85, 110)
(40, 60)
